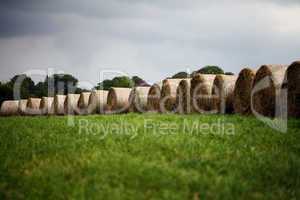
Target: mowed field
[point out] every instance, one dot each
(148, 156)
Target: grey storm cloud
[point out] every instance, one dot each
(152, 39)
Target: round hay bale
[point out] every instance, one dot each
(201, 93)
(98, 102)
(183, 97)
(266, 90)
(118, 100)
(83, 103)
(59, 104)
(242, 92)
(33, 106)
(47, 105)
(22, 106)
(71, 104)
(9, 108)
(154, 97)
(138, 99)
(223, 88)
(293, 77)
(168, 95)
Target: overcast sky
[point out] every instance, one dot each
(152, 39)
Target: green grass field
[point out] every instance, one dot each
(42, 157)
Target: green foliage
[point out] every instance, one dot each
(5, 92)
(229, 73)
(138, 81)
(43, 158)
(24, 83)
(119, 81)
(104, 85)
(181, 75)
(211, 70)
(41, 89)
(58, 84)
(61, 84)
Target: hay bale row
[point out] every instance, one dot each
(9, 108)
(183, 97)
(154, 97)
(242, 91)
(97, 102)
(138, 99)
(59, 104)
(168, 95)
(267, 90)
(71, 104)
(22, 106)
(262, 92)
(118, 100)
(33, 106)
(46, 106)
(83, 103)
(201, 93)
(223, 93)
(293, 87)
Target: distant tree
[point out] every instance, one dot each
(25, 84)
(61, 84)
(6, 92)
(104, 85)
(210, 70)
(229, 73)
(80, 90)
(41, 89)
(122, 81)
(119, 81)
(138, 81)
(181, 75)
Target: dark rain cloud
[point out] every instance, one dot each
(152, 39)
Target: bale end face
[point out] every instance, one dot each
(138, 99)
(98, 102)
(201, 93)
(266, 89)
(83, 103)
(223, 97)
(183, 98)
(118, 100)
(154, 97)
(59, 104)
(168, 95)
(9, 108)
(293, 86)
(242, 92)
(33, 106)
